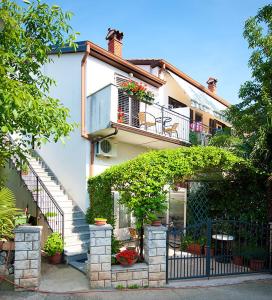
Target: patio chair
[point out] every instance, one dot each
(134, 237)
(147, 120)
(172, 129)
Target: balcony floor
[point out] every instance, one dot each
(136, 136)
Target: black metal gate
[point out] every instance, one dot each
(218, 247)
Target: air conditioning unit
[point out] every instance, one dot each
(105, 148)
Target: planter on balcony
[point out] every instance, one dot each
(138, 91)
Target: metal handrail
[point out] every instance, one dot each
(49, 195)
(39, 198)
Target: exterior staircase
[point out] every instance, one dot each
(61, 212)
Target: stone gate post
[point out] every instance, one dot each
(100, 256)
(155, 254)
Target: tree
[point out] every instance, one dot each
(27, 34)
(252, 117)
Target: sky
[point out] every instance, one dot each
(203, 38)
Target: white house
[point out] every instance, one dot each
(114, 127)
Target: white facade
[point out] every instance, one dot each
(70, 162)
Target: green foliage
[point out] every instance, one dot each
(8, 212)
(50, 214)
(25, 105)
(240, 195)
(54, 244)
(141, 181)
(115, 245)
(119, 287)
(20, 220)
(185, 242)
(133, 286)
(101, 202)
(252, 117)
(254, 252)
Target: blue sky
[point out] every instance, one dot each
(201, 38)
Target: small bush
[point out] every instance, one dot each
(54, 244)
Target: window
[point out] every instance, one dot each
(173, 103)
(198, 117)
(124, 217)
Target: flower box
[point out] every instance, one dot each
(127, 257)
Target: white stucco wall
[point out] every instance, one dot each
(70, 162)
(124, 152)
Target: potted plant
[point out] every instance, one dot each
(100, 221)
(156, 222)
(24, 169)
(138, 91)
(54, 247)
(238, 253)
(50, 216)
(186, 241)
(120, 116)
(127, 257)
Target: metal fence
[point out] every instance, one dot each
(218, 247)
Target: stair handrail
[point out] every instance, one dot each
(38, 200)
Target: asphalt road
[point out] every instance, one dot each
(259, 290)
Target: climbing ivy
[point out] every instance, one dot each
(141, 181)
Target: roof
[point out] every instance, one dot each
(154, 62)
(113, 60)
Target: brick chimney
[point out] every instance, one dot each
(115, 38)
(212, 84)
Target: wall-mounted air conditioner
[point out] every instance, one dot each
(105, 148)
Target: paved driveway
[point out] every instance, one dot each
(259, 290)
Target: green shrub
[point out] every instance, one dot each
(8, 212)
(54, 244)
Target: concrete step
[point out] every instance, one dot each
(76, 221)
(82, 236)
(72, 215)
(76, 228)
(75, 255)
(76, 242)
(79, 265)
(79, 248)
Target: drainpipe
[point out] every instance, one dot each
(83, 91)
(93, 141)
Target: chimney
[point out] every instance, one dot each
(212, 84)
(115, 38)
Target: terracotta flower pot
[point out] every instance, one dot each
(195, 249)
(8, 245)
(156, 223)
(100, 222)
(55, 259)
(1, 244)
(256, 264)
(238, 260)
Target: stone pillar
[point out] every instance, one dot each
(27, 264)
(100, 256)
(155, 254)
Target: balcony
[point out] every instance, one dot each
(200, 133)
(110, 107)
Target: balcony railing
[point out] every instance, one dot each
(111, 104)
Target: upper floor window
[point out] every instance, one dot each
(173, 103)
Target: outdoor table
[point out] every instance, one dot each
(163, 120)
(223, 251)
